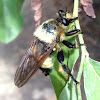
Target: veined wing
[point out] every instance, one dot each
(33, 59)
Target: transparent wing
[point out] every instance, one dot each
(33, 59)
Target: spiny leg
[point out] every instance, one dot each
(66, 21)
(62, 18)
(72, 19)
(60, 58)
(70, 45)
(73, 32)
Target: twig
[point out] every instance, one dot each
(83, 48)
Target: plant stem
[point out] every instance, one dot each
(83, 48)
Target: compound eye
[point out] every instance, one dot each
(65, 22)
(60, 12)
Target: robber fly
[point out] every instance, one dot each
(45, 38)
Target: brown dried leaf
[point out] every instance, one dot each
(37, 7)
(88, 8)
(86, 2)
(89, 11)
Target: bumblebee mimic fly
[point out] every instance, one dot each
(45, 38)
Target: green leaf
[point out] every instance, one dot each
(92, 79)
(73, 55)
(68, 92)
(11, 20)
(58, 79)
(19, 4)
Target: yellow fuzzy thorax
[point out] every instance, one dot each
(45, 36)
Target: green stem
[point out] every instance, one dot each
(83, 48)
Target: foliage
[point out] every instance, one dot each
(11, 22)
(59, 79)
(92, 79)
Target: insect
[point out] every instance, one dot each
(45, 38)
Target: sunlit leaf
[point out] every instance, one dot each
(92, 79)
(69, 92)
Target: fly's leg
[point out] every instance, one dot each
(72, 19)
(70, 45)
(60, 58)
(73, 32)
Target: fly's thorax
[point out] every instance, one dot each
(48, 31)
